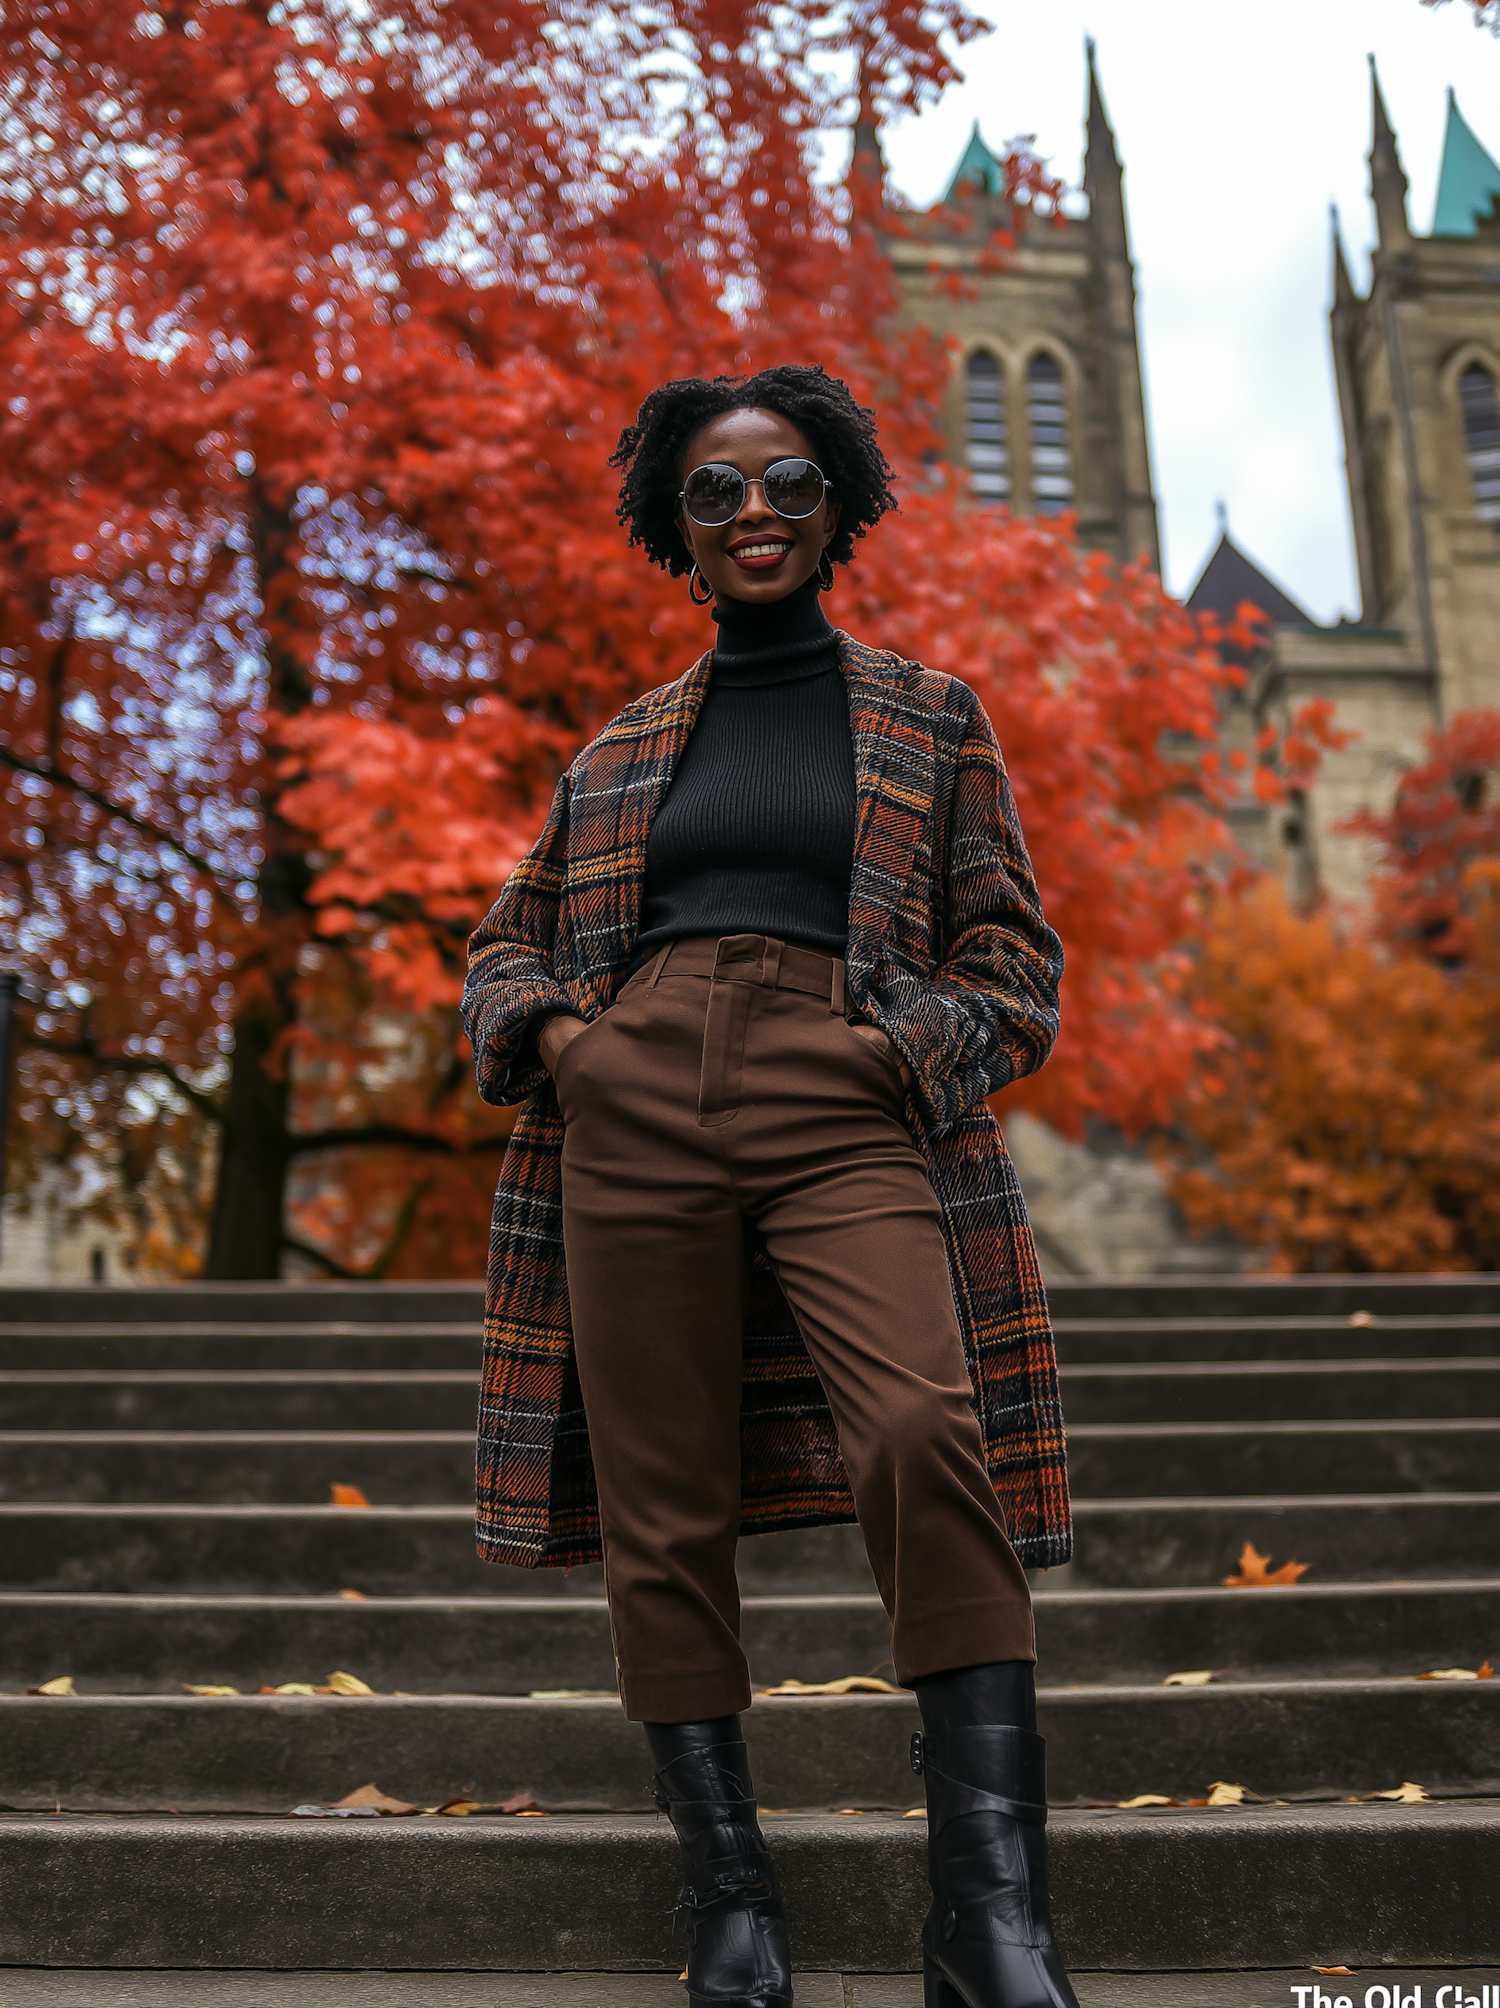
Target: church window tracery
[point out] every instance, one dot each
(1051, 452)
(1481, 415)
(986, 440)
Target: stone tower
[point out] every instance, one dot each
(1417, 362)
(1046, 406)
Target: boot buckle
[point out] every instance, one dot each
(917, 1753)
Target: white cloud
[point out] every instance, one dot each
(1237, 125)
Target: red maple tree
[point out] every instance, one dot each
(315, 339)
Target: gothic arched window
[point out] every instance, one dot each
(986, 446)
(1476, 397)
(1051, 456)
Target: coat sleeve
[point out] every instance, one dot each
(988, 1013)
(511, 986)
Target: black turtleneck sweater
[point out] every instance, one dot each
(756, 834)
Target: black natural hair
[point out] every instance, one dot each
(841, 433)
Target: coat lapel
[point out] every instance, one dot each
(629, 772)
(894, 762)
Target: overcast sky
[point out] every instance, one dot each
(1238, 124)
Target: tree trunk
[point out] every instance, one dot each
(249, 1206)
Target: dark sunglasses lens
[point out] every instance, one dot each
(794, 487)
(713, 495)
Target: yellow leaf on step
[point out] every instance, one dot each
(1226, 1795)
(1144, 1799)
(1451, 1673)
(62, 1685)
(291, 1687)
(1200, 1677)
(189, 1688)
(345, 1683)
(916, 1813)
(852, 1683)
(1404, 1795)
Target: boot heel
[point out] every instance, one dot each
(936, 1992)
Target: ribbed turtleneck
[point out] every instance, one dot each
(756, 834)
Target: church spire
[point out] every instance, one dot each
(1344, 294)
(1388, 182)
(1103, 156)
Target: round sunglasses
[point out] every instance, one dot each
(714, 494)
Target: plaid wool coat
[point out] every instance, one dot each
(947, 952)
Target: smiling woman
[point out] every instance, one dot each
(776, 945)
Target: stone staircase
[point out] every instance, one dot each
(166, 1459)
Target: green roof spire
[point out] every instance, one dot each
(978, 169)
(1469, 182)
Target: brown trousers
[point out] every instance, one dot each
(724, 1096)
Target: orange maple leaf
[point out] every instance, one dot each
(1256, 1575)
(347, 1495)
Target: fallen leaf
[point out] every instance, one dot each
(335, 1813)
(371, 1795)
(1226, 1795)
(1404, 1795)
(455, 1808)
(854, 1812)
(852, 1683)
(62, 1685)
(188, 1688)
(574, 1694)
(916, 1813)
(531, 1813)
(290, 1687)
(1486, 1672)
(524, 1801)
(354, 1596)
(348, 1495)
(1355, 1318)
(1199, 1678)
(1145, 1799)
(1254, 1574)
(345, 1683)
(1326, 1970)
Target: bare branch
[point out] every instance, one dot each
(86, 1047)
(43, 771)
(372, 1133)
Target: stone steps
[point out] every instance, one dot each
(264, 1753)
(434, 1467)
(411, 1550)
(408, 1344)
(125, 1643)
(167, 1456)
(124, 1989)
(1177, 1392)
(1277, 1886)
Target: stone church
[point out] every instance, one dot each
(1046, 412)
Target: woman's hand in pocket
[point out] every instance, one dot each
(883, 1043)
(556, 1035)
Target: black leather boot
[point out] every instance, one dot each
(737, 1949)
(987, 1942)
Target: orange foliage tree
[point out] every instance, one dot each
(1352, 1114)
(316, 331)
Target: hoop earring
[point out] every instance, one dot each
(708, 592)
(825, 564)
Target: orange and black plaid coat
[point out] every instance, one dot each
(948, 953)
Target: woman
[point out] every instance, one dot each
(759, 1257)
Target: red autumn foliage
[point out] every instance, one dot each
(1351, 1118)
(315, 339)
(1445, 818)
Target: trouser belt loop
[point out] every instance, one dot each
(836, 1000)
(660, 964)
(770, 964)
